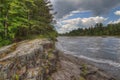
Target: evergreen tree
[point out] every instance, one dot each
(20, 19)
(97, 30)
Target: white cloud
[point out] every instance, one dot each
(117, 13)
(114, 22)
(67, 16)
(70, 14)
(67, 28)
(71, 24)
(73, 13)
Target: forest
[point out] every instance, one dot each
(25, 19)
(98, 30)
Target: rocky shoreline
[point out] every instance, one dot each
(74, 68)
(28, 60)
(39, 60)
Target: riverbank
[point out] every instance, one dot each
(101, 52)
(92, 36)
(39, 60)
(74, 68)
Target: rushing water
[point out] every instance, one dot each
(102, 52)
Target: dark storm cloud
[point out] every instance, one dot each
(98, 7)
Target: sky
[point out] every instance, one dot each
(74, 14)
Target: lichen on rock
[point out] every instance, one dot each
(28, 60)
(39, 60)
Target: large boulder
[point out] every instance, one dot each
(28, 60)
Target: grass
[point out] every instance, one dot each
(50, 35)
(84, 70)
(82, 78)
(15, 77)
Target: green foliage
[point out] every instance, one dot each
(15, 77)
(98, 30)
(82, 78)
(4, 42)
(20, 19)
(84, 70)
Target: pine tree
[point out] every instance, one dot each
(22, 18)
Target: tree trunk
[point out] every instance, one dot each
(6, 25)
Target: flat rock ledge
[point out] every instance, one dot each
(74, 68)
(39, 60)
(28, 60)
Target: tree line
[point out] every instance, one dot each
(20, 19)
(98, 30)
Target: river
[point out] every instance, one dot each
(103, 52)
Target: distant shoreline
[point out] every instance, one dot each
(90, 36)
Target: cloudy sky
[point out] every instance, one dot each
(73, 14)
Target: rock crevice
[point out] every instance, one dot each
(39, 60)
(29, 60)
